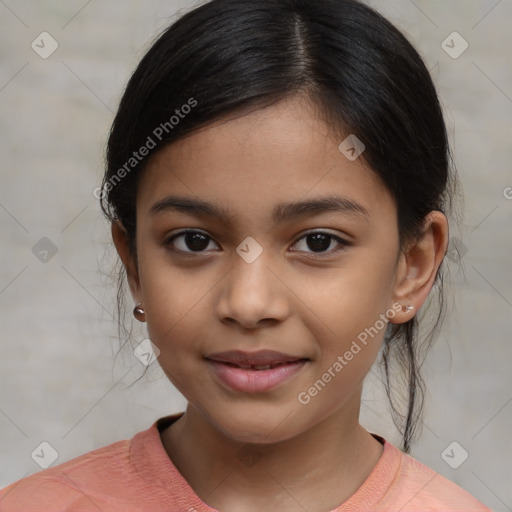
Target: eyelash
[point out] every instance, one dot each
(342, 243)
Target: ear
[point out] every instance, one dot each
(120, 237)
(418, 265)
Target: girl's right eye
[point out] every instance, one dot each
(189, 241)
(192, 242)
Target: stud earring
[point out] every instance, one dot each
(407, 308)
(139, 313)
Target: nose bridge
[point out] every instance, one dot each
(253, 275)
(251, 292)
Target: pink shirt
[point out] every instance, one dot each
(137, 475)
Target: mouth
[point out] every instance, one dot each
(255, 371)
(260, 367)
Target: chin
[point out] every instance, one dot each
(256, 426)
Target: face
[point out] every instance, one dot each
(251, 274)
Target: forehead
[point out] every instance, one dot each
(254, 161)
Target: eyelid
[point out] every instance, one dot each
(324, 231)
(172, 236)
(343, 242)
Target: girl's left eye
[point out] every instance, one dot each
(321, 240)
(193, 241)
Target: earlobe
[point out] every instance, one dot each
(120, 238)
(418, 265)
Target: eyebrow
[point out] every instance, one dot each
(281, 212)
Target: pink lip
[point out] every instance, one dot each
(226, 366)
(260, 357)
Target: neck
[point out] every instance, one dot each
(318, 469)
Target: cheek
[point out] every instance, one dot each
(176, 326)
(350, 298)
(349, 320)
(348, 337)
(175, 301)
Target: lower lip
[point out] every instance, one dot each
(255, 381)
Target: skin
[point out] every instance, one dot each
(313, 455)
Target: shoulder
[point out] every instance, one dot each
(67, 486)
(418, 487)
(132, 475)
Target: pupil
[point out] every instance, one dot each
(196, 241)
(319, 241)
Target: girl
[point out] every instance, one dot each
(277, 180)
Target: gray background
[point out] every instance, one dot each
(60, 382)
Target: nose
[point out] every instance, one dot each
(252, 295)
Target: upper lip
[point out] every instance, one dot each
(260, 357)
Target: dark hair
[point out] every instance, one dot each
(230, 56)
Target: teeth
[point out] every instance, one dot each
(262, 367)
